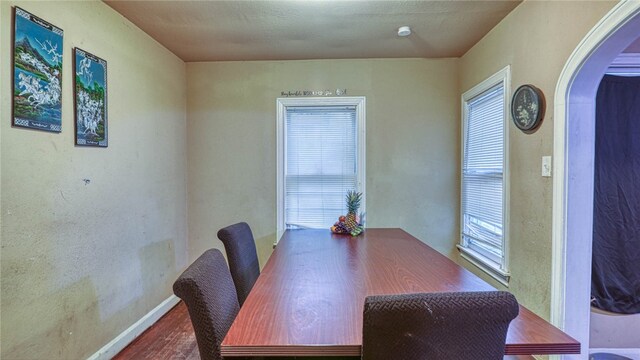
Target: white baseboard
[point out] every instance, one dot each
(126, 337)
(633, 353)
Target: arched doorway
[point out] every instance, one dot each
(574, 138)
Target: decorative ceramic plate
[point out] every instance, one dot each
(527, 108)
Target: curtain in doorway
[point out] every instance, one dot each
(615, 280)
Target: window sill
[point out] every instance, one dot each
(476, 259)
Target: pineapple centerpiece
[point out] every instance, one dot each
(350, 224)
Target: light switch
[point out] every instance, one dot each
(546, 166)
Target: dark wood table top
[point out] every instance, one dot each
(309, 299)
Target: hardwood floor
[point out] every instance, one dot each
(172, 337)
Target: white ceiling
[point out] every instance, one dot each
(314, 29)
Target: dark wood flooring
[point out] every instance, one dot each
(172, 337)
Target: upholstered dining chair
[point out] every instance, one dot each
(242, 256)
(443, 326)
(207, 290)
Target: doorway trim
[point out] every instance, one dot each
(573, 150)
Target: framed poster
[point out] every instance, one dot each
(90, 93)
(37, 73)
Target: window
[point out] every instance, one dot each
(484, 176)
(320, 158)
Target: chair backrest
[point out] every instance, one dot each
(207, 290)
(455, 326)
(243, 259)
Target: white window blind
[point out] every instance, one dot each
(320, 165)
(482, 176)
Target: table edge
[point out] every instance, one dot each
(355, 350)
(291, 350)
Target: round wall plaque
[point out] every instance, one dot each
(527, 108)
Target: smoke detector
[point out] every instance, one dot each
(404, 31)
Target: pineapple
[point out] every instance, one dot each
(353, 204)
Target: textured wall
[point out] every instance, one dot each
(82, 262)
(412, 143)
(536, 39)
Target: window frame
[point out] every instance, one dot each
(500, 272)
(281, 104)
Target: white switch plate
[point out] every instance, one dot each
(546, 166)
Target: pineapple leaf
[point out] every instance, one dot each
(354, 199)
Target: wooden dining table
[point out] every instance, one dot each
(309, 298)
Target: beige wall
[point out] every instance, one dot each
(81, 263)
(412, 143)
(536, 39)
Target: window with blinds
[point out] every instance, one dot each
(483, 177)
(321, 164)
(320, 156)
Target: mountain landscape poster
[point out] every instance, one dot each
(37, 73)
(90, 92)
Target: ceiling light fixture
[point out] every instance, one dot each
(404, 31)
